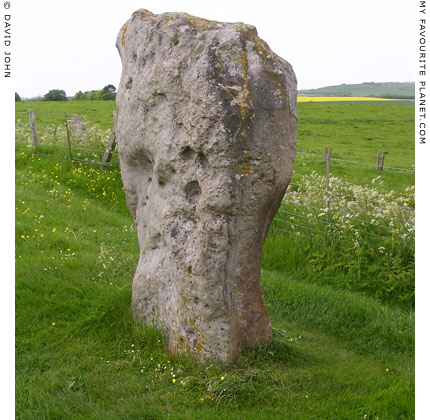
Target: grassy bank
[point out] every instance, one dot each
(336, 353)
(340, 297)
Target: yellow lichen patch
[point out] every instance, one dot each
(199, 23)
(191, 322)
(199, 346)
(189, 270)
(166, 22)
(244, 105)
(145, 14)
(186, 301)
(123, 35)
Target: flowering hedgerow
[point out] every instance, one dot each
(366, 232)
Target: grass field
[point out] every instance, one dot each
(342, 349)
(341, 99)
(384, 90)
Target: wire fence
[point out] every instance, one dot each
(357, 162)
(85, 141)
(328, 208)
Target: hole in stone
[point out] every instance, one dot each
(192, 191)
(161, 182)
(129, 83)
(134, 57)
(202, 160)
(175, 42)
(149, 179)
(187, 153)
(196, 300)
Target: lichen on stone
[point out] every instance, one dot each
(206, 147)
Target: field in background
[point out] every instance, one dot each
(341, 99)
(384, 90)
(342, 309)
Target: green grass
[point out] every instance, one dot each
(343, 341)
(355, 132)
(98, 112)
(329, 357)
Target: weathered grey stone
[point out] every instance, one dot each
(79, 128)
(206, 136)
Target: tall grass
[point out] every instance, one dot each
(367, 247)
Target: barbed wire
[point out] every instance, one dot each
(366, 233)
(65, 147)
(313, 219)
(355, 162)
(303, 216)
(294, 233)
(326, 233)
(412, 195)
(298, 151)
(335, 182)
(346, 195)
(62, 114)
(323, 209)
(96, 162)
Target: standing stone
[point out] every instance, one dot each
(206, 132)
(79, 128)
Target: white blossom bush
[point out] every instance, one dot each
(370, 236)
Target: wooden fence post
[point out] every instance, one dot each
(112, 141)
(327, 165)
(33, 129)
(68, 136)
(381, 167)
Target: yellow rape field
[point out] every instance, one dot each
(339, 99)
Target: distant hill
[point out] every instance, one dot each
(379, 90)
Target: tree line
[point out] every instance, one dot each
(108, 93)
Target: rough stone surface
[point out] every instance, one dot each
(206, 136)
(79, 128)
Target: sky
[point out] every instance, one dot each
(71, 45)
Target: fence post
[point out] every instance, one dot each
(112, 141)
(381, 167)
(33, 129)
(68, 136)
(327, 165)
